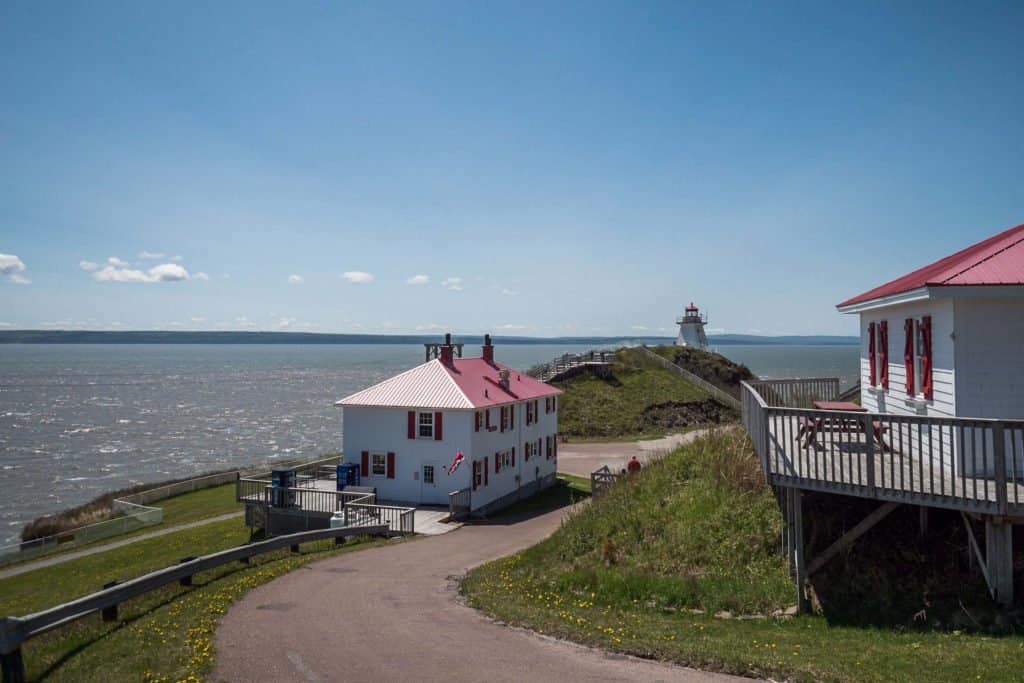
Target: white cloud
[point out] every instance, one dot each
(714, 330)
(295, 279)
(176, 324)
(150, 255)
(507, 292)
(165, 272)
(418, 280)
(198, 320)
(452, 283)
(200, 276)
(6, 324)
(284, 323)
(639, 328)
(511, 326)
(117, 324)
(177, 258)
(753, 331)
(357, 277)
(12, 266)
(243, 321)
(87, 265)
(117, 263)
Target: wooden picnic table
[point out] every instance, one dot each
(810, 428)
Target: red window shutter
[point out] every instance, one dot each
(536, 410)
(872, 374)
(391, 465)
(512, 416)
(487, 419)
(554, 446)
(483, 464)
(926, 358)
(538, 444)
(476, 472)
(437, 426)
(908, 354)
(364, 464)
(513, 456)
(476, 421)
(497, 464)
(883, 355)
(411, 432)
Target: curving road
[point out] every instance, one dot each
(390, 614)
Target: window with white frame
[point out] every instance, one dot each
(379, 464)
(426, 425)
(504, 459)
(504, 417)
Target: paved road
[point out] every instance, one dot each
(390, 614)
(92, 550)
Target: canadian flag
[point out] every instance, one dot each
(455, 462)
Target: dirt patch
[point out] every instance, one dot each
(680, 415)
(714, 368)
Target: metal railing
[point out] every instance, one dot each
(397, 519)
(459, 504)
(719, 395)
(970, 464)
(570, 361)
(16, 630)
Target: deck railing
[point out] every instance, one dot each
(396, 519)
(959, 463)
(601, 479)
(458, 504)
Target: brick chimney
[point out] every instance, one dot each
(446, 350)
(488, 350)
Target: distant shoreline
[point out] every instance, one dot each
(181, 337)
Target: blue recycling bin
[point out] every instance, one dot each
(348, 475)
(281, 481)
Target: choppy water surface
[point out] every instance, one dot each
(79, 420)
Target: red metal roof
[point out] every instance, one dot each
(468, 383)
(478, 380)
(999, 260)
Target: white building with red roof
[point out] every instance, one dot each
(948, 339)
(408, 431)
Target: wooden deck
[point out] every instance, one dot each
(967, 464)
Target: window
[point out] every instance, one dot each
(528, 450)
(477, 477)
(479, 420)
(379, 464)
(502, 459)
(428, 474)
(426, 426)
(529, 412)
(504, 418)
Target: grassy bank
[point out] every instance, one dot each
(162, 636)
(645, 569)
(639, 399)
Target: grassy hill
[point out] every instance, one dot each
(639, 399)
(681, 562)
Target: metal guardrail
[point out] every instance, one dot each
(16, 630)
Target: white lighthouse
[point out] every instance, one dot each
(691, 329)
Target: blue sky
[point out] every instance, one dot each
(545, 169)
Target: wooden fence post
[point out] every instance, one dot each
(999, 462)
(109, 613)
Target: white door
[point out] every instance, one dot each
(431, 492)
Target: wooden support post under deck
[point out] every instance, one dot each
(797, 543)
(999, 558)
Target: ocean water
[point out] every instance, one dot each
(79, 420)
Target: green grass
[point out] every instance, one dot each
(644, 569)
(164, 635)
(181, 509)
(614, 408)
(568, 490)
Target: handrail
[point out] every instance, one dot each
(16, 630)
